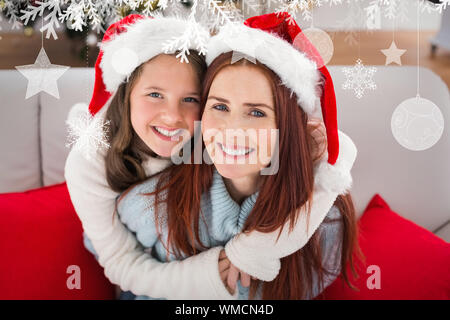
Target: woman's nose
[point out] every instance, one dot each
(235, 130)
(234, 122)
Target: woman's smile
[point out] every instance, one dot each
(235, 151)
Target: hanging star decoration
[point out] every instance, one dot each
(393, 54)
(359, 78)
(42, 75)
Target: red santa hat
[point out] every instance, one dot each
(281, 49)
(127, 44)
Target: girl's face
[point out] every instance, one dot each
(238, 122)
(164, 103)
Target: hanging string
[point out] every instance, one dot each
(42, 33)
(418, 48)
(394, 25)
(87, 66)
(359, 29)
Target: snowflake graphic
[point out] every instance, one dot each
(359, 78)
(303, 7)
(87, 133)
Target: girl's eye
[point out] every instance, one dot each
(220, 107)
(257, 113)
(155, 95)
(191, 99)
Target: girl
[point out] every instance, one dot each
(159, 89)
(218, 198)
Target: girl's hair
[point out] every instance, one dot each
(123, 160)
(293, 183)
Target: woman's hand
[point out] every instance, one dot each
(224, 268)
(230, 274)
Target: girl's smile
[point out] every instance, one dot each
(167, 134)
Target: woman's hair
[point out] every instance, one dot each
(123, 160)
(294, 182)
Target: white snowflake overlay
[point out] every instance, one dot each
(303, 7)
(86, 133)
(78, 14)
(359, 78)
(429, 7)
(206, 9)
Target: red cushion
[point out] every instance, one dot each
(413, 262)
(41, 238)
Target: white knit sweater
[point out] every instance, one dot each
(196, 277)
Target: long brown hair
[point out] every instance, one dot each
(123, 160)
(293, 183)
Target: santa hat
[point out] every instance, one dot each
(271, 39)
(127, 44)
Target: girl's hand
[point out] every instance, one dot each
(231, 273)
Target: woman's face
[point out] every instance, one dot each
(238, 123)
(164, 103)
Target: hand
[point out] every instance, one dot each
(224, 267)
(317, 132)
(230, 274)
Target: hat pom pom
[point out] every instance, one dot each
(76, 110)
(337, 177)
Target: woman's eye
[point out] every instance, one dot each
(191, 99)
(155, 95)
(257, 113)
(220, 107)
